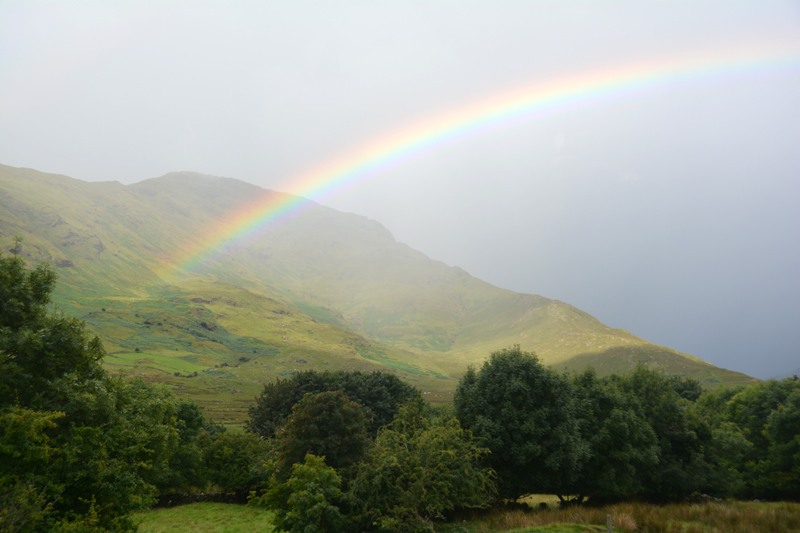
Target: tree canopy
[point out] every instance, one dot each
(379, 393)
(525, 415)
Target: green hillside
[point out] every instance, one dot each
(321, 289)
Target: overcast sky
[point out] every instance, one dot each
(672, 213)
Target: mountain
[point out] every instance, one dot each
(317, 289)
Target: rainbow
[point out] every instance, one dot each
(527, 103)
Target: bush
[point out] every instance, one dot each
(305, 503)
(418, 470)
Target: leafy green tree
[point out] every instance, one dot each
(36, 345)
(525, 415)
(682, 438)
(379, 393)
(185, 467)
(26, 496)
(79, 449)
(621, 444)
(307, 501)
(687, 388)
(273, 406)
(751, 407)
(327, 425)
(781, 468)
(417, 470)
(231, 462)
(764, 414)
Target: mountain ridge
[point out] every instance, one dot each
(110, 241)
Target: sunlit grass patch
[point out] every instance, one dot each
(205, 518)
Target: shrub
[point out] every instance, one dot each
(417, 470)
(305, 503)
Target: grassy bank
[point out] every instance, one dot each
(727, 517)
(206, 518)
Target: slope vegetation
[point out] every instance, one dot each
(330, 289)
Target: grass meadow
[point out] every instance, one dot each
(725, 517)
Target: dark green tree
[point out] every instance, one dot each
(379, 393)
(79, 449)
(682, 438)
(308, 502)
(764, 414)
(418, 469)
(38, 345)
(780, 470)
(687, 388)
(327, 425)
(621, 444)
(525, 415)
(186, 467)
(231, 462)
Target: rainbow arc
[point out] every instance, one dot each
(526, 103)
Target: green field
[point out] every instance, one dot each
(727, 517)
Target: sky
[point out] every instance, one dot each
(671, 212)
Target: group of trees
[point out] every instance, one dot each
(638, 435)
(339, 451)
(327, 473)
(81, 449)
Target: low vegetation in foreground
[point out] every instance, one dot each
(84, 451)
(718, 517)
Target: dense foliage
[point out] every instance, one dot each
(418, 469)
(340, 451)
(327, 425)
(379, 393)
(621, 445)
(526, 415)
(78, 448)
(308, 501)
(756, 437)
(639, 435)
(230, 462)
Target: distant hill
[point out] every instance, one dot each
(331, 289)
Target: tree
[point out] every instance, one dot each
(418, 469)
(36, 345)
(306, 502)
(231, 461)
(682, 438)
(621, 444)
(79, 449)
(687, 388)
(781, 468)
(186, 463)
(766, 415)
(379, 393)
(525, 415)
(327, 425)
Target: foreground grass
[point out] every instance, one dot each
(727, 517)
(206, 518)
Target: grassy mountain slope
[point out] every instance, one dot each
(332, 289)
